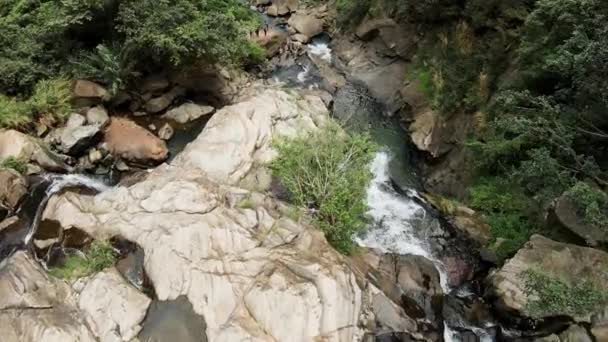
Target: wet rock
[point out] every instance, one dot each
(575, 333)
(154, 84)
(158, 104)
(550, 338)
(23, 147)
(470, 311)
(133, 143)
(570, 264)
(188, 112)
(132, 269)
(418, 284)
(173, 320)
(113, 309)
(88, 93)
(568, 217)
(76, 137)
(98, 116)
(307, 25)
(166, 132)
(389, 316)
(13, 187)
(458, 270)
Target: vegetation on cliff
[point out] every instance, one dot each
(328, 173)
(532, 76)
(112, 42)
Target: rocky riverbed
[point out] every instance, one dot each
(177, 178)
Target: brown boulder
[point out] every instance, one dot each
(133, 143)
(86, 93)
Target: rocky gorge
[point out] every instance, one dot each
(175, 174)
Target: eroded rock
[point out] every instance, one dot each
(12, 188)
(25, 148)
(307, 25)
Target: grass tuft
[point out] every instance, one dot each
(97, 257)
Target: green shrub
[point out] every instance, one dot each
(591, 203)
(51, 99)
(97, 257)
(328, 172)
(111, 66)
(13, 113)
(352, 12)
(509, 232)
(178, 32)
(554, 297)
(15, 164)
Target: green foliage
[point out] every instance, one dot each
(97, 257)
(591, 203)
(555, 297)
(509, 232)
(15, 164)
(40, 38)
(505, 208)
(181, 31)
(328, 173)
(112, 66)
(13, 113)
(352, 12)
(51, 99)
(36, 38)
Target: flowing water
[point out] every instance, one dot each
(30, 212)
(401, 223)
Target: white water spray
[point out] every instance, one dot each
(393, 230)
(58, 183)
(321, 50)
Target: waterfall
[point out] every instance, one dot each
(394, 228)
(52, 184)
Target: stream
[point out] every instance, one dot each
(401, 223)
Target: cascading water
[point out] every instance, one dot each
(32, 208)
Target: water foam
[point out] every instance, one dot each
(321, 50)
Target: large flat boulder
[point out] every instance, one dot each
(569, 264)
(239, 137)
(247, 272)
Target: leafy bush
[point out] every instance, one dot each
(112, 66)
(328, 173)
(97, 257)
(558, 298)
(13, 113)
(51, 99)
(15, 164)
(591, 203)
(178, 32)
(39, 38)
